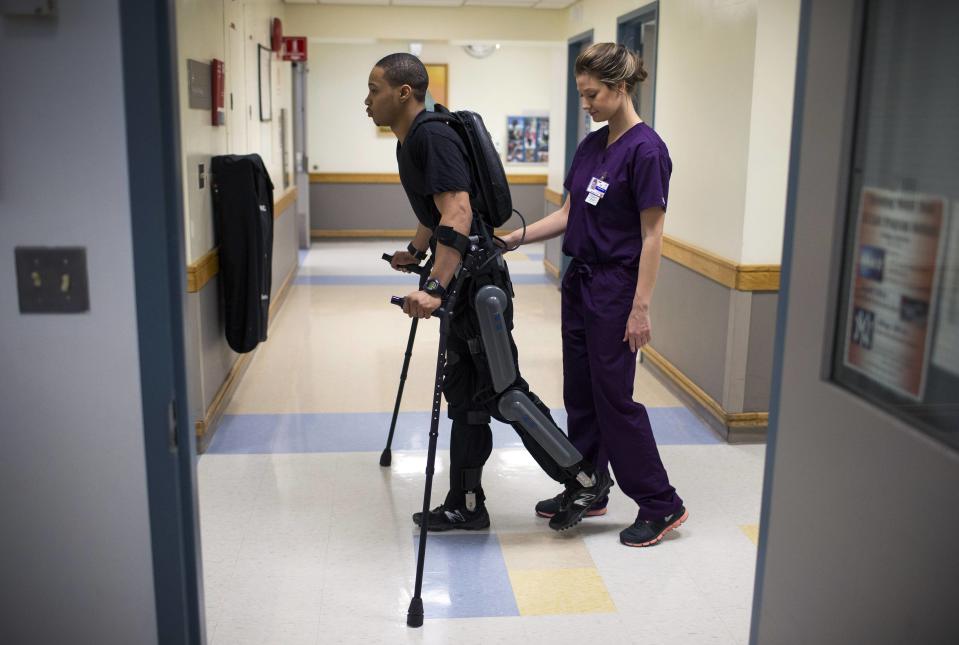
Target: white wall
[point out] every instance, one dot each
(774, 78)
(204, 32)
(516, 80)
(75, 560)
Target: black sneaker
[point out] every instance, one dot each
(650, 532)
(577, 502)
(550, 507)
(447, 519)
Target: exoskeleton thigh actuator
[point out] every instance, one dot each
(515, 405)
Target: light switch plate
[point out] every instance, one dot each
(52, 280)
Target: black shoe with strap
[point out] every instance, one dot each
(448, 519)
(577, 501)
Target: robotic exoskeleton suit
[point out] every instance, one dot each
(482, 378)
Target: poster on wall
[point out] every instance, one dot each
(892, 303)
(527, 139)
(436, 92)
(945, 350)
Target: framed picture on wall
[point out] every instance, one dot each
(437, 92)
(266, 83)
(527, 139)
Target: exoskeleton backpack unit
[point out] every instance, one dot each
(491, 198)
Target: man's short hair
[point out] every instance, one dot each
(406, 69)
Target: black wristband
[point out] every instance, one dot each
(416, 253)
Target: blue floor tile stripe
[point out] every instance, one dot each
(366, 432)
(367, 280)
(465, 576)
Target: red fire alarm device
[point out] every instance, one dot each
(276, 35)
(294, 48)
(217, 83)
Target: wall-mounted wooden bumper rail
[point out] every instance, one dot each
(742, 277)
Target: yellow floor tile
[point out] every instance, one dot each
(560, 591)
(539, 551)
(751, 531)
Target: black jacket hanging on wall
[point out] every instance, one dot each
(243, 216)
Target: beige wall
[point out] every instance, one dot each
(516, 80)
(777, 36)
(725, 79)
(703, 103)
(204, 33)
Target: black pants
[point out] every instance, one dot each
(469, 393)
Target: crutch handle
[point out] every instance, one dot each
(413, 268)
(399, 302)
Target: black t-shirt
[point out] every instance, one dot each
(432, 160)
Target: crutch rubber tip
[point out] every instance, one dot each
(414, 615)
(386, 458)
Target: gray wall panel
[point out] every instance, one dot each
(217, 357)
(759, 364)
(359, 206)
(285, 248)
(385, 206)
(690, 317)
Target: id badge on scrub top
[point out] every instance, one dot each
(596, 191)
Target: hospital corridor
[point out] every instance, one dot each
(475, 322)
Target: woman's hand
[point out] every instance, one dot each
(639, 330)
(508, 241)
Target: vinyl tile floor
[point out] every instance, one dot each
(306, 539)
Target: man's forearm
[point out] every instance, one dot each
(421, 240)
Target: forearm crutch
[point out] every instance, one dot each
(386, 458)
(414, 615)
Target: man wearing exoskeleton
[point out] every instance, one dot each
(481, 378)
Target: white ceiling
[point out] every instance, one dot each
(521, 4)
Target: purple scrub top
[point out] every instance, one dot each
(637, 167)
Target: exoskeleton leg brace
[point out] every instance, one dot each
(490, 306)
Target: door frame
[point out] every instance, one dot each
(573, 47)
(156, 204)
(650, 10)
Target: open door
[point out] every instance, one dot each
(857, 537)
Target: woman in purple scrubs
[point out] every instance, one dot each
(617, 189)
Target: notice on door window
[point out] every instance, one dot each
(945, 352)
(899, 242)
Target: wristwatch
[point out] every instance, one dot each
(434, 288)
(415, 252)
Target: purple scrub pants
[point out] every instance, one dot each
(604, 422)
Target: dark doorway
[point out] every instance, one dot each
(639, 30)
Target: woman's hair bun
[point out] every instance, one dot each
(612, 64)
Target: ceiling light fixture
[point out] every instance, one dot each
(480, 50)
